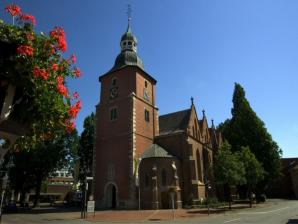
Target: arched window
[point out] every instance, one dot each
(164, 177)
(199, 165)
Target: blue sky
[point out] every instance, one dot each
(193, 48)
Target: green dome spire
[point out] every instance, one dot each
(128, 40)
(128, 54)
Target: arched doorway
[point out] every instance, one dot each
(111, 196)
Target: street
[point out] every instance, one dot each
(274, 212)
(281, 212)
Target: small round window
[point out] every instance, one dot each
(129, 43)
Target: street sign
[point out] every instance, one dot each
(89, 178)
(90, 206)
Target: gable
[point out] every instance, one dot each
(193, 128)
(204, 130)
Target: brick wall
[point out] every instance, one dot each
(119, 143)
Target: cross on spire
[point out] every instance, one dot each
(191, 99)
(129, 13)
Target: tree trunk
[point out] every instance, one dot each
(22, 198)
(227, 191)
(37, 193)
(250, 199)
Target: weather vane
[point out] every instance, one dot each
(129, 12)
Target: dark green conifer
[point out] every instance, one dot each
(245, 128)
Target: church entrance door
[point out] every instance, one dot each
(111, 196)
(165, 200)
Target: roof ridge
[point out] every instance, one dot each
(175, 112)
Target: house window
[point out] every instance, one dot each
(113, 114)
(147, 118)
(146, 84)
(164, 177)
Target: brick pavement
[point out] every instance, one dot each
(160, 215)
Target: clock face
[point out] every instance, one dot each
(113, 92)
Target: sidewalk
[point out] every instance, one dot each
(160, 215)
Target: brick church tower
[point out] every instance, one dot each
(126, 124)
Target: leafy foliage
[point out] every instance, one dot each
(254, 171)
(245, 128)
(35, 162)
(228, 168)
(36, 67)
(86, 146)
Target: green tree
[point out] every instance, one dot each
(86, 146)
(229, 170)
(35, 160)
(254, 171)
(245, 128)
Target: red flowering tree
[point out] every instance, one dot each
(39, 72)
(36, 67)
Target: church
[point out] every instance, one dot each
(143, 160)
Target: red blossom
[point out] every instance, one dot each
(75, 95)
(77, 72)
(74, 109)
(54, 67)
(73, 112)
(49, 47)
(73, 58)
(62, 90)
(29, 36)
(40, 73)
(13, 9)
(58, 35)
(69, 126)
(78, 104)
(60, 79)
(28, 18)
(62, 45)
(25, 50)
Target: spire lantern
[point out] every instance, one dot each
(128, 40)
(128, 44)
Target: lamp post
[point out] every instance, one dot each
(84, 188)
(87, 178)
(174, 188)
(207, 187)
